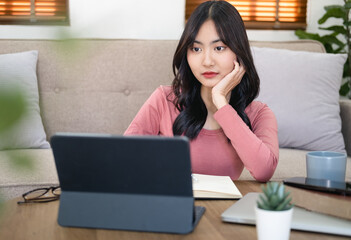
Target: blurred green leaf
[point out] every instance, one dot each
(305, 35)
(329, 7)
(69, 48)
(327, 40)
(263, 199)
(12, 107)
(20, 161)
(339, 50)
(335, 11)
(274, 201)
(344, 89)
(336, 29)
(332, 40)
(285, 205)
(280, 191)
(328, 47)
(346, 69)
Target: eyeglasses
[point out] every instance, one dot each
(41, 195)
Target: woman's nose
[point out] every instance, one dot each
(207, 59)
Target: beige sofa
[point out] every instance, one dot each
(97, 86)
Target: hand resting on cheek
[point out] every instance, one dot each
(221, 91)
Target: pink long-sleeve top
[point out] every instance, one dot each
(211, 152)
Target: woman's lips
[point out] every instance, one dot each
(209, 74)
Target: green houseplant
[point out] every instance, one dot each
(273, 209)
(274, 198)
(338, 40)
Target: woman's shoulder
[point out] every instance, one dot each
(256, 108)
(256, 105)
(164, 91)
(162, 95)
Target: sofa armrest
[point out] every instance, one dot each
(345, 113)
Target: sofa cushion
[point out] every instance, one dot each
(16, 180)
(18, 70)
(302, 89)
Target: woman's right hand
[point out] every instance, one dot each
(222, 90)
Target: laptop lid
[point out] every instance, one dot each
(243, 212)
(138, 183)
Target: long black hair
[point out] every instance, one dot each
(186, 87)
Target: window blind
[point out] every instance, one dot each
(34, 12)
(265, 14)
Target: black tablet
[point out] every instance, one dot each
(138, 183)
(323, 185)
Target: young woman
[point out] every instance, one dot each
(211, 99)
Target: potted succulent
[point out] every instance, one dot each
(273, 212)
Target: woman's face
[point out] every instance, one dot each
(209, 58)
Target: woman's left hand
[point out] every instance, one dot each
(221, 91)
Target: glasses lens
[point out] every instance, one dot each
(42, 195)
(36, 194)
(57, 191)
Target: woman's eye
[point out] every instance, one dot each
(220, 48)
(196, 49)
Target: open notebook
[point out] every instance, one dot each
(214, 187)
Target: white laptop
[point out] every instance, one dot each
(243, 211)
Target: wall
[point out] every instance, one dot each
(112, 19)
(140, 19)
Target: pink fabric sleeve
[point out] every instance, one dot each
(154, 117)
(257, 149)
(147, 120)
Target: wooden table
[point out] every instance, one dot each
(39, 221)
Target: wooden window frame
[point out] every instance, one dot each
(277, 22)
(34, 12)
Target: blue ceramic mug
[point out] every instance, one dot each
(326, 165)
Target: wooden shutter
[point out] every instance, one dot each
(34, 12)
(266, 14)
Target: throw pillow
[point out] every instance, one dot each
(302, 89)
(19, 70)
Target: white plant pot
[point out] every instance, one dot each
(273, 225)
